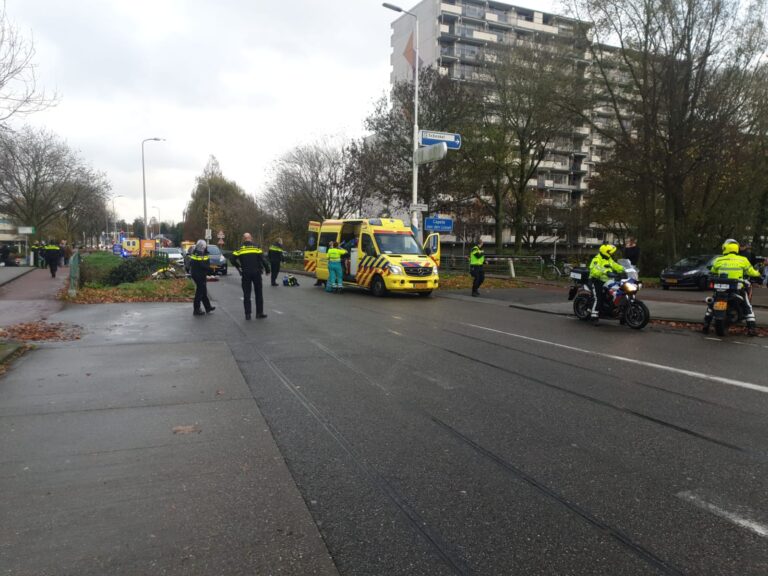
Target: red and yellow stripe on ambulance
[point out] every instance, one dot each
(382, 255)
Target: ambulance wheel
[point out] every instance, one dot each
(378, 288)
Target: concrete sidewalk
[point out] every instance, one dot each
(10, 273)
(125, 457)
(30, 296)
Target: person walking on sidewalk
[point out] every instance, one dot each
(52, 254)
(199, 268)
(476, 266)
(335, 274)
(250, 262)
(275, 258)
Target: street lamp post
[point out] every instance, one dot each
(415, 196)
(144, 178)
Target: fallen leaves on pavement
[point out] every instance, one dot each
(174, 290)
(465, 283)
(39, 331)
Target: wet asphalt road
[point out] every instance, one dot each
(438, 436)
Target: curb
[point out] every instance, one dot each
(4, 282)
(8, 349)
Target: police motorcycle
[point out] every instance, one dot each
(619, 297)
(727, 302)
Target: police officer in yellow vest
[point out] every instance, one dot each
(335, 271)
(599, 268)
(275, 258)
(199, 268)
(735, 267)
(250, 262)
(476, 266)
(52, 254)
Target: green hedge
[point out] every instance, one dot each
(95, 267)
(106, 269)
(133, 269)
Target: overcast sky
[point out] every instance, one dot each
(244, 80)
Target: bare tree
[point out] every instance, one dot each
(672, 79)
(41, 178)
(520, 115)
(315, 181)
(19, 92)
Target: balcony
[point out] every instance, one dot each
(450, 9)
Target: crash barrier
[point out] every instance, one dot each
(74, 273)
(509, 266)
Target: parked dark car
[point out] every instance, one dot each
(216, 259)
(690, 272)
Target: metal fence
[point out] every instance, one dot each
(74, 273)
(508, 266)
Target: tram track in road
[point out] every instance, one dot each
(621, 538)
(415, 520)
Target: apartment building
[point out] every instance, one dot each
(457, 37)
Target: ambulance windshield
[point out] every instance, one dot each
(397, 244)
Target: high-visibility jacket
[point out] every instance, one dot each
(249, 260)
(199, 264)
(601, 265)
(275, 253)
(51, 252)
(335, 254)
(476, 256)
(733, 266)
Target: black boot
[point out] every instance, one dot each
(751, 328)
(705, 327)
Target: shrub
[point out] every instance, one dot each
(95, 267)
(133, 269)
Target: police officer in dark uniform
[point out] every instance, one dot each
(275, 257)
(250, 262)
(52, 254)
(199, 268)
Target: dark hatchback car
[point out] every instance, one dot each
(690, 272)
(216, 259)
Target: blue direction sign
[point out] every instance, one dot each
(438, 224)
(428, 137)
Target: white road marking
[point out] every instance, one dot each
(397, 317)
(276, 311)
(393, 332)
(756, 527)
(700, 375)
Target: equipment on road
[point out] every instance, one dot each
(382, 255)
(617, 301)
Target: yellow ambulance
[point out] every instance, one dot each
(383, 255)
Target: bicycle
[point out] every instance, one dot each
(551, 270)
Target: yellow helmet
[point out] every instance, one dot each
(730, 246)
(607, 250)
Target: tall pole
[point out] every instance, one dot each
(144, 179)
(415, 191)
(114, 216)
(208, 225)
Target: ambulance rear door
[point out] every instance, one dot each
(432, 248)
(310, 252)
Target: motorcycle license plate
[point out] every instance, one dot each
(722, 286)
(721, 305)
(576, 275)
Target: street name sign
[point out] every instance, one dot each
(427, 137)
(438, 224)
(418, 208)
(26, 229)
